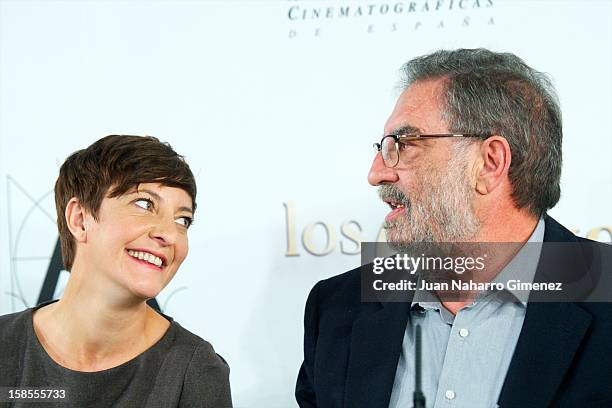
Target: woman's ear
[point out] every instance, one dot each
(76, 218)
(496, 158)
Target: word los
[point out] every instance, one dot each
(320, 238)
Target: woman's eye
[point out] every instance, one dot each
(184, 221)
(144, 203)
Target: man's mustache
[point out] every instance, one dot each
(388, 192)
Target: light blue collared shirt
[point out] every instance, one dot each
(466, 356)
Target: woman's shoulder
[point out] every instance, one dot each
(14, 335)
(207, 374)
(202, 351)
(13, 326)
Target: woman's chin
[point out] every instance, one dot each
(145, 290)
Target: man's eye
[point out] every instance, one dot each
(184, 221)
(144, 203)
(403, 146)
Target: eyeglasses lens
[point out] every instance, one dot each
(389, 151)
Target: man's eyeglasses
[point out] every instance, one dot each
(390, 146)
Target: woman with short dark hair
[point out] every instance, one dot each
(124, 207)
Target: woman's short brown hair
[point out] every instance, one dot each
(110, 167)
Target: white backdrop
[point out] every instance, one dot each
(275, 105)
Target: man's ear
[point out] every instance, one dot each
(495, 160)
(76, 218)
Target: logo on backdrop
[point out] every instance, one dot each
(323, 19)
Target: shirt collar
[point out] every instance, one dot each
(524, 265)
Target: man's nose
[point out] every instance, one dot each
(381, 174)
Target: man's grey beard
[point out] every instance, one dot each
(443, 214)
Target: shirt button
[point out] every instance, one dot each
(464, 332)
(449, 394)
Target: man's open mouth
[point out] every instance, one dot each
(394, 204)
(396, 209)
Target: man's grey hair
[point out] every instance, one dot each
(497, 93)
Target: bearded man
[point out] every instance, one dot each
(470, 153)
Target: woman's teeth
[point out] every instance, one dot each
(145, 256)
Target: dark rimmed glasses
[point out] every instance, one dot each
(390, 145)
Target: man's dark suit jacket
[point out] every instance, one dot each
(563, 357)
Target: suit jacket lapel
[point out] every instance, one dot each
(551, 335)
(549, 339)
(376, 343)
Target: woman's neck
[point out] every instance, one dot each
(95, 327)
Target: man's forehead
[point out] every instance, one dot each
(418, 109)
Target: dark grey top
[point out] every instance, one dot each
(180, 370)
